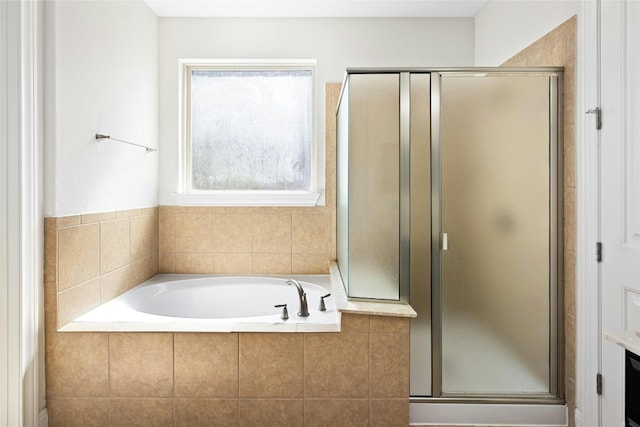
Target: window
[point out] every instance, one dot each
(249, 132)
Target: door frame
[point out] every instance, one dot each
(21, 217)
(588, 313)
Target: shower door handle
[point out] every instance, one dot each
(445, 242)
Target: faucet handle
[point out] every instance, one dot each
(285, 312)
(322, 306)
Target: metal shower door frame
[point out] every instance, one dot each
(556, 271)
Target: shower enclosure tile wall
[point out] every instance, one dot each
(558, 48)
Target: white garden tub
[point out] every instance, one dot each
(213, 303)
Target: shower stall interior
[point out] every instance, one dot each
(449, 198)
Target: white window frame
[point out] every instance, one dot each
(189, 197)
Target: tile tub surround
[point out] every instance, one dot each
(359, 376)
(558, 48)
(246, 240)
(91, 259)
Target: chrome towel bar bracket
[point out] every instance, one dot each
(147, 149)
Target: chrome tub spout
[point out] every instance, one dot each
(304, 310)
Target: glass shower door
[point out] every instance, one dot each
(496, 248)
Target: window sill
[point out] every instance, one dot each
(250, 198)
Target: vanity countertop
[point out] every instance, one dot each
(626, 338)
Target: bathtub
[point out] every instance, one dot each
(214, 303)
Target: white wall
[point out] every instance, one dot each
(335, 43)
(101, 76)
(505, 27)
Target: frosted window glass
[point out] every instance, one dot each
(251, 130)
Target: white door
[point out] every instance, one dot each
(619, 192)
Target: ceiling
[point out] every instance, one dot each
(315, 8)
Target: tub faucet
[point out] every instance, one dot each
(304, 311)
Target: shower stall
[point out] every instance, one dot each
(449, 198)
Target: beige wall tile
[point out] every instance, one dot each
(130, 213)
(78, 412)
(570, 346)
(235, 263)
(270, 210)
(141, 364)
(193, 233)
(329, 108)
(150, 211)
(50, 307)
(310, 263)
(50, 272)
(330, 189)
(272, 263)
(77, 364)
(272, 233)
(143, 269)
(331, 412)
(78, 300)
(232, 233)
(166, 231)
(97, 217)
(205, 210)
(325, 372)
(68, 221)
(206, 365)
(206, 412)
(390, 413)
(115, 283)
(142, 412)
(50, 250)
(193, 263)
(355, 322)
(271, 413)
(389, 325)
(166, 263)
(115, 245)
(570, 394)
(172, 209)
(143, 232)
(389, 365)
(271, 365)
(241, 210)
(78, 255)
(334, 237)
(570, 156)
(570, 283)
(570, 219)
(311, 233)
